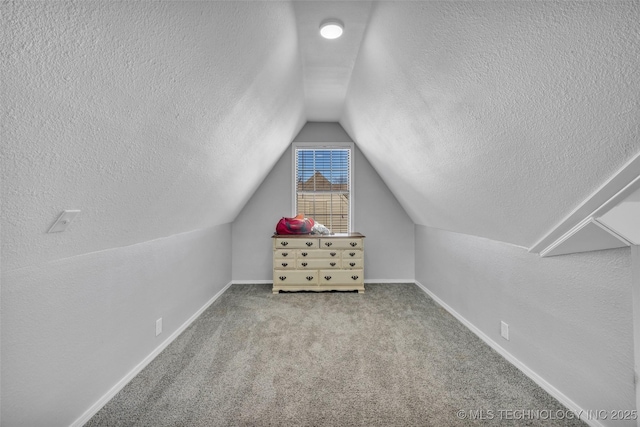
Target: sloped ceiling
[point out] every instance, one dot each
(154, 118)
(496, 119)
(327, 64)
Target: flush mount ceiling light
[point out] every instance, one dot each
(331, 29)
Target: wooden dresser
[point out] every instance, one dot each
(318, 263)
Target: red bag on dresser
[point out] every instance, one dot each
(296, 225)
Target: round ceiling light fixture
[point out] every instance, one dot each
(331, 29)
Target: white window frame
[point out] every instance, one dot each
(325, 146)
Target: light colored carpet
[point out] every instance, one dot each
(388, 357)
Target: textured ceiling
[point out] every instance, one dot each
(153, 118)
(327, 64)
(497, 119)
(493, 119)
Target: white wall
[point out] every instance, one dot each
(570, 317)
(389, 245)
(389, 249)
(74, 327)
(635, 259)
(253, 227)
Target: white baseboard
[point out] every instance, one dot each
(557, 394)
(252, 282)
(270, 282)
(135, 371)
(390, 281)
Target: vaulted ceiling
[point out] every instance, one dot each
(488, 118)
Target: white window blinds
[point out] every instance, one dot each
(323, 186)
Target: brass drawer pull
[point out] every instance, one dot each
(305, 253)
(332, 264)
(328, 244)
(332, 253)
(304, 264)
(354, 277)
(353, 244)
(284, 243)
(352, 254)
(284, 264)
(352, 264)
(285, 253)
(327, 277)
(282, 278)
(309, 278)
(309, 243)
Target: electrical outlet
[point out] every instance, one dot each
(504, 330)
(159, 326)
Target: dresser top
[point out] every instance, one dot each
(306, 236)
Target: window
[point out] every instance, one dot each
(322, 189)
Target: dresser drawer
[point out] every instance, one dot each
(334, 243)
(341, 277)
(297, 243)
(318, 263)
(318, 253)
(353, 263)
(286, 264)
(351, 254)
(295, 278)
(284, 254)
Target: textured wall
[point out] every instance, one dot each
(153, 118)
(377, 214)
(73, 328)
(499, 117)
(570, 317)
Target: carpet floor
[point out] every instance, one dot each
(388, 357)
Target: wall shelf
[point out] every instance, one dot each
(608, 219)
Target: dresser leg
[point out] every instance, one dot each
(276, 292)
(361, 291)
